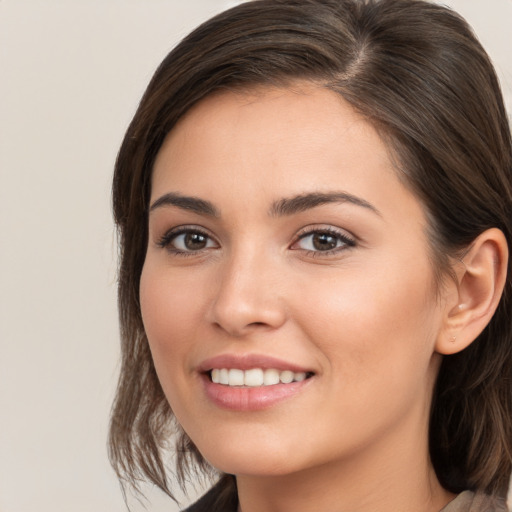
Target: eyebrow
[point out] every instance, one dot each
(303, 202)
(190, 203)
(282, 207)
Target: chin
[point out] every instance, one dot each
(259, 461)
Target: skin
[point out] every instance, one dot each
(364, 317)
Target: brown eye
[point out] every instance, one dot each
(195, 241)
(319, 241)
(324, 241)
(187, 241)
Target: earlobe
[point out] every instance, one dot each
(480, 277)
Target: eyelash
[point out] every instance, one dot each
(166, 240)
(347, 242)
(341, 236)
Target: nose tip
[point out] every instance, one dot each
(247, 301)
(238, 320)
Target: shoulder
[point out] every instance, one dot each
(222, 497)
(469, 501)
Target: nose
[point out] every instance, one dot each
(248, 296)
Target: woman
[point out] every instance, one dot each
(314, 201)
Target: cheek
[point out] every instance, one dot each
(170, 311)
(375, 325)
(378, 342)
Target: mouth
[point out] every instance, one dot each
(252, 382)
(255, 377)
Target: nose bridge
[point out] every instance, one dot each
(247, 296)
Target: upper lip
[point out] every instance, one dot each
(248, 361)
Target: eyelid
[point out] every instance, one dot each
(165, 240)
(348, 240)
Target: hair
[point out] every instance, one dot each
(416, 72)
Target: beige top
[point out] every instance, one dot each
(224, 499)
(468, 501)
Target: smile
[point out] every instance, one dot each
(252, 382)
(255, 377)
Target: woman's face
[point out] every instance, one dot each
(283, 247)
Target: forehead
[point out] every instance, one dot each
(298, 122)
(279, 142)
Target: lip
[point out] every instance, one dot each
(248, 361)
(250, 398)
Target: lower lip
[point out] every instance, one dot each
(251, 399)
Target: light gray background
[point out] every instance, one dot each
(71, 75)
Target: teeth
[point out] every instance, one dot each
(254, 377)
(236, 377)
(286, 377)
(224, 376)
(299, 377)
(271, 377)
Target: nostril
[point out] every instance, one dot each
(239, 314)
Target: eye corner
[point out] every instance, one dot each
(188, 240)
(323, 241)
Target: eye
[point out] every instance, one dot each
(323, 241)
(187, 240)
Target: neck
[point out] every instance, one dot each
(398, 477)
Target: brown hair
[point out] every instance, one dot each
(416, 71)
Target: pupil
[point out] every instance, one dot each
(324, 242)
(195, 241)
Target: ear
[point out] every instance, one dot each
(473, 298)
